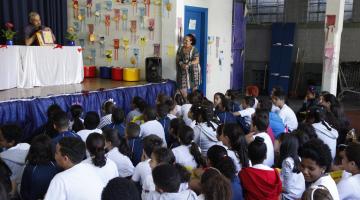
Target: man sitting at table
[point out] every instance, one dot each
(32, 28)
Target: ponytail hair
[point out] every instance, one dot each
(95, 143)
(186, 137)
(237, 142)
(220, 160)
(318, 114)
(76, 112)
(112, 135)
(78, 125)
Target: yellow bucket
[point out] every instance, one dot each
(131, 74)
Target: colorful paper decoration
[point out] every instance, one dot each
(92, 36)
(81, 18)
(180, 36)
(134, 5)
(124, 17)
(157, 50)
(133, 30)
(82, 42)
(142, 18)
(134, 60)
(125, 46)
(168, 6)
(157, 3)
(102, 45)
(151, 28)
(171, 50)
(76, 26)
(109, 5)
(88, 7)
(75, 8)
(116, 48)
(147, 7)
(108, 55)
(143, 42)
(107, 24)
(93, 54)
(210, 41)
(117, 17)
(98, 13)
(217, 46)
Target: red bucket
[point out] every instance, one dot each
(117, 73)
(89, 71)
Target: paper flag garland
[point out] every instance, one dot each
(133, 30)
(124, 18)
(76, 26)
(76, 8)
(135, 58)
(134, 5)
(157, 4)
(109, 5)
(157, 50)
(98, 13)
(107, 24)
(116, 48)
(142, 18)
(151, 28)
(102, 45)
(168, 6)
(108, 55)
(147, 7)
(117, 17)
(88, 7)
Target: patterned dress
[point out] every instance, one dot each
(188, 78)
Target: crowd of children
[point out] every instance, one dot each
(233, 148)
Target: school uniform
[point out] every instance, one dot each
(142, 170)
(184, 113)
(235, 159)
(153, 127)
(71, 123)
(247, 114)
(293, 183)
(269, 161)
(260, 182)
(205, 136)
(255, 103)
(234, 107)
(237, 191)
(36, 180)
(106, 172)
(14, 158)
(184, 195)
(329, 137)
(136, 147)
(171, 116)
(119, 127)
(184, 157)
(226, 117)
(105, 120)
(348, 188)
(80, 182)
(289, 118)
(123, 163)
(85, 133)
(329, 183)
(165, 123)
(61, 135)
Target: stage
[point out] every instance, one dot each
(27, 107)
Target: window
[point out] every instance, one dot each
(317, 10)
(265, 11)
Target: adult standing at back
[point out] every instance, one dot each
(187, 66)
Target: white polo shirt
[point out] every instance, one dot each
(152, 127)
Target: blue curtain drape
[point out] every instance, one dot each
(53, 14)
(31, 114)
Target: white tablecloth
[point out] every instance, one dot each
(30, 66)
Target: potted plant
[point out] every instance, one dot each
(8, 33)
(71, 36)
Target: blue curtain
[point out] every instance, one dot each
(31, 114)
(53, 14)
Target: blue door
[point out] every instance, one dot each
(196, 24)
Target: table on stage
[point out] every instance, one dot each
(30, 66)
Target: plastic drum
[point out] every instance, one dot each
(105, 72)
(131, 74)
(117, 73)
(89, 71)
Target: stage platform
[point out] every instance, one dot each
(27, 107)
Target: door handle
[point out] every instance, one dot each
(284, 76)
(274, 74)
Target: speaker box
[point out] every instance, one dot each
(153, 70)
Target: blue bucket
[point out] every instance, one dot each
(105, 72)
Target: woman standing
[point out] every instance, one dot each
(188, 68)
